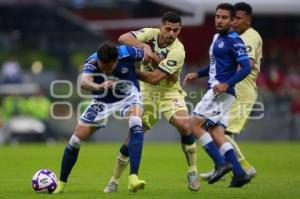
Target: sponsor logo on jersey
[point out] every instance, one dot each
(90, 67)
(171, 63)
(248, 49)
(238, 45)
(241, 51)
(91, 64)
(124, 70)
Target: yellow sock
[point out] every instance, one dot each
(244, 163)
(191, 156)
(120, 166)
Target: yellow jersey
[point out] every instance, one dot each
(253, 43)
(173, 61)
(246, 92)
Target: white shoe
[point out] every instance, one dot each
(251, 172)
(111, 187)
(206, 176)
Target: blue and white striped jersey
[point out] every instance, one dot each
(124, 74)
(226, 53)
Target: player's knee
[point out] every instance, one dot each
(196, 122)
(134, 121)
(75, 142)
(184, 128)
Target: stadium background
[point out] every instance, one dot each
(51, 39)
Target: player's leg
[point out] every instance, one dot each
(225, 102)
(206, 141)
(119, 168)
(180, 120)
(238, 117)
(240, 178)
(206, 115)
(135, 147)
(148, 120)
(250, 170)
(71, 152)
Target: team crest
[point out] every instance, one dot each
(124, 70)
(248, 49)
(171, 63)
(221, 44)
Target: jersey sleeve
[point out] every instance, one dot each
(90, 65)
(251, 44)
(173, 62)
(144, 34)
(137, 54)
(239, 50)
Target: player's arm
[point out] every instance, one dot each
(86, 80)
(203, 72)
(242, 59)
(153, 77)
(251, 44)
(130, 39)
(87, 83)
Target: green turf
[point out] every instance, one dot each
(163, 167)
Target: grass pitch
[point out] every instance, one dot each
(163, 167)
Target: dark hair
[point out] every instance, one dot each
(107, 52)
(227, 6)
(243, 6)
(172, 17)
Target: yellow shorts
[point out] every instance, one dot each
(163, 106)
(241, 109)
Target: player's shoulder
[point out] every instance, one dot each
(123, 51)
(176, 46)
(150, 31)
(251, 33)
(92, 59)
(234, 38)
(93, 56)
(91, 64)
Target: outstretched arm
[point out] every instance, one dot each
(203, 72)
(153, 77)
(129, 39)
(87, 83)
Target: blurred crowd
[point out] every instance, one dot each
(279, 80)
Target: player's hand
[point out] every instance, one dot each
(156, 59)
(220, 88)
(148, 54)
(107, 85)
(172, 78)
(189, 77)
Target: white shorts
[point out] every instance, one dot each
(97, 113)
(215, 109)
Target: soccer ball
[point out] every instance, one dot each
(44, 181)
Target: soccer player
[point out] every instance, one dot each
(110, 75)
(226, 52)
(161, 95)
(246, 90)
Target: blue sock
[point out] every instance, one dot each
(124, 150)
(188, 139)
(207, 143)
(135, 147)
(213, 152)
(68, 161)
(236, 167)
